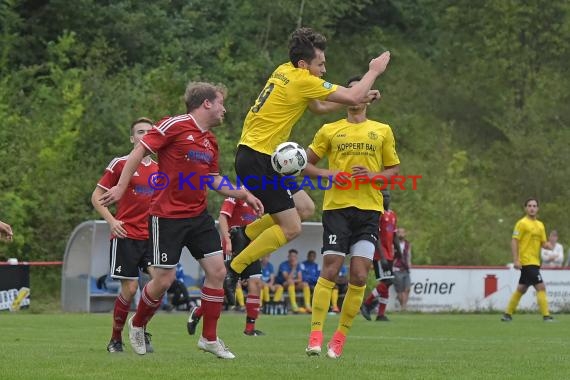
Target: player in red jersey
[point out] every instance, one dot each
(188, 159)
(129, 230)
(383, 262)
(237, 213)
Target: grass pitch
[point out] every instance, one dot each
(410, 346)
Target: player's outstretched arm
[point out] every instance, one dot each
(357, 93)
(233, 191)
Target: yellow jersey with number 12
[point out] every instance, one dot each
(280, 104)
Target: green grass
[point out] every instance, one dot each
(411, 346)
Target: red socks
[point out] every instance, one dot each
(120, 313)
(212, 300)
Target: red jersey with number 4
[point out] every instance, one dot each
(133, 207)
(188, 158)
(239, 213)
(386, 230)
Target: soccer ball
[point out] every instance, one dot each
(289, 159)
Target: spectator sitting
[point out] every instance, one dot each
(555, 257)
(290, 276)
(269, 285)
(310, 269)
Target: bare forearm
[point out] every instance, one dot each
(515, 249)
(321, 107)
(387, 173)
(314, 171)
(230, 190)
(102, 210)
(224, 227)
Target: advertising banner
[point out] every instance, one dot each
(480, 289)
(14, 287)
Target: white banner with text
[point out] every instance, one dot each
(480, 289)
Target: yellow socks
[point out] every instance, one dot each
(265, 294)
(334, 298)
(292, 297)
(307, 296)
(321, 303)
(542, 303)
(350, 307)
(513, 302)
(239, 296)
(278, 296)
(267, 242)
(253, 230)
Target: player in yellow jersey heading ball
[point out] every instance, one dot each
(291, 89)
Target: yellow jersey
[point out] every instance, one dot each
(279, 106)
(531, 235)
(370, 144)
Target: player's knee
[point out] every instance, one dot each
(130, 289)
(291, 230)
(218, 274)
(358, 279)
(164, 279)
(306, 210)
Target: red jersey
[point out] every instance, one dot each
(386, 230)
(133, 207)
(239, 213)
(187, 155)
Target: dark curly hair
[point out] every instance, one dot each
(302, 45)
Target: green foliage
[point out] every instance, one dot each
(476, 94)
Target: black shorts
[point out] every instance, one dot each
(530, 275)
(169, 236)
(128, 256)
(344, 227)
(252, 270)
(378, 268)
(255, 172)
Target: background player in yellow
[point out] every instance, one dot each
(528, 237)
(364, 148)
(291, 89)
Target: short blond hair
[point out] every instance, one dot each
(197, 92)
(145, 120)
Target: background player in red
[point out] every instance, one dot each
(384, 256)
(237, 213)
(187, 153)
(129, 230)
